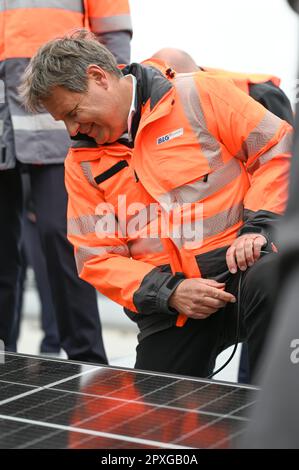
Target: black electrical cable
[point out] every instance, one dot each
(263, 252)
(237, 329)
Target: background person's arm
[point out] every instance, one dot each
(110, 21)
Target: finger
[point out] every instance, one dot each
(199, 316)
(204, 310)
(257, 246)
(240, 256)
(203, 316)
(214, 303)
(230, 259)
(248, 248)
(201, 310)
(213, 283)
(219, 294)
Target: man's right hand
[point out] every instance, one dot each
(198, 298)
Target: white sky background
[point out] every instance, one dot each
(240, 35)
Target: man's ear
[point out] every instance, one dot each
(98, 75)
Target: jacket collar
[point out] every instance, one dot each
(151, 85)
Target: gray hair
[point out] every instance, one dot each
(63, 62)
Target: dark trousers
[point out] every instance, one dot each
(35, 257)
(192, 350)
(32, 254)
(10, 255)
(74, 300)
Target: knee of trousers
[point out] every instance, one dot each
(260, 280)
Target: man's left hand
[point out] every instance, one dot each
(244, 251)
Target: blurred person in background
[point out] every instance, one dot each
(38, 145)
(32, 256)
(264, 88)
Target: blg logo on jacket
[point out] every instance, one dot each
(171, 135)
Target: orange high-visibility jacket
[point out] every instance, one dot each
(264, 88)
(203, 150)
(243, 80)
(24, 26)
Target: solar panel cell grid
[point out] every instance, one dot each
(60, 404)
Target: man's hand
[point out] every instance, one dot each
(199, 298)
(244, 251)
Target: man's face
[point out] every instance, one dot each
(101, 112)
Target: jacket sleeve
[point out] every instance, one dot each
(274, 99)
(118, 43)
(110, 21)
(103, 257)
(263, 142)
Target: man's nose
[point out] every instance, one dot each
(72, 128)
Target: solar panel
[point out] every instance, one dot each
(59, 404)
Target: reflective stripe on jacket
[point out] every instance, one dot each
(203, 149)
(24, 26)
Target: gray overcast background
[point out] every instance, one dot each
(241, 35)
